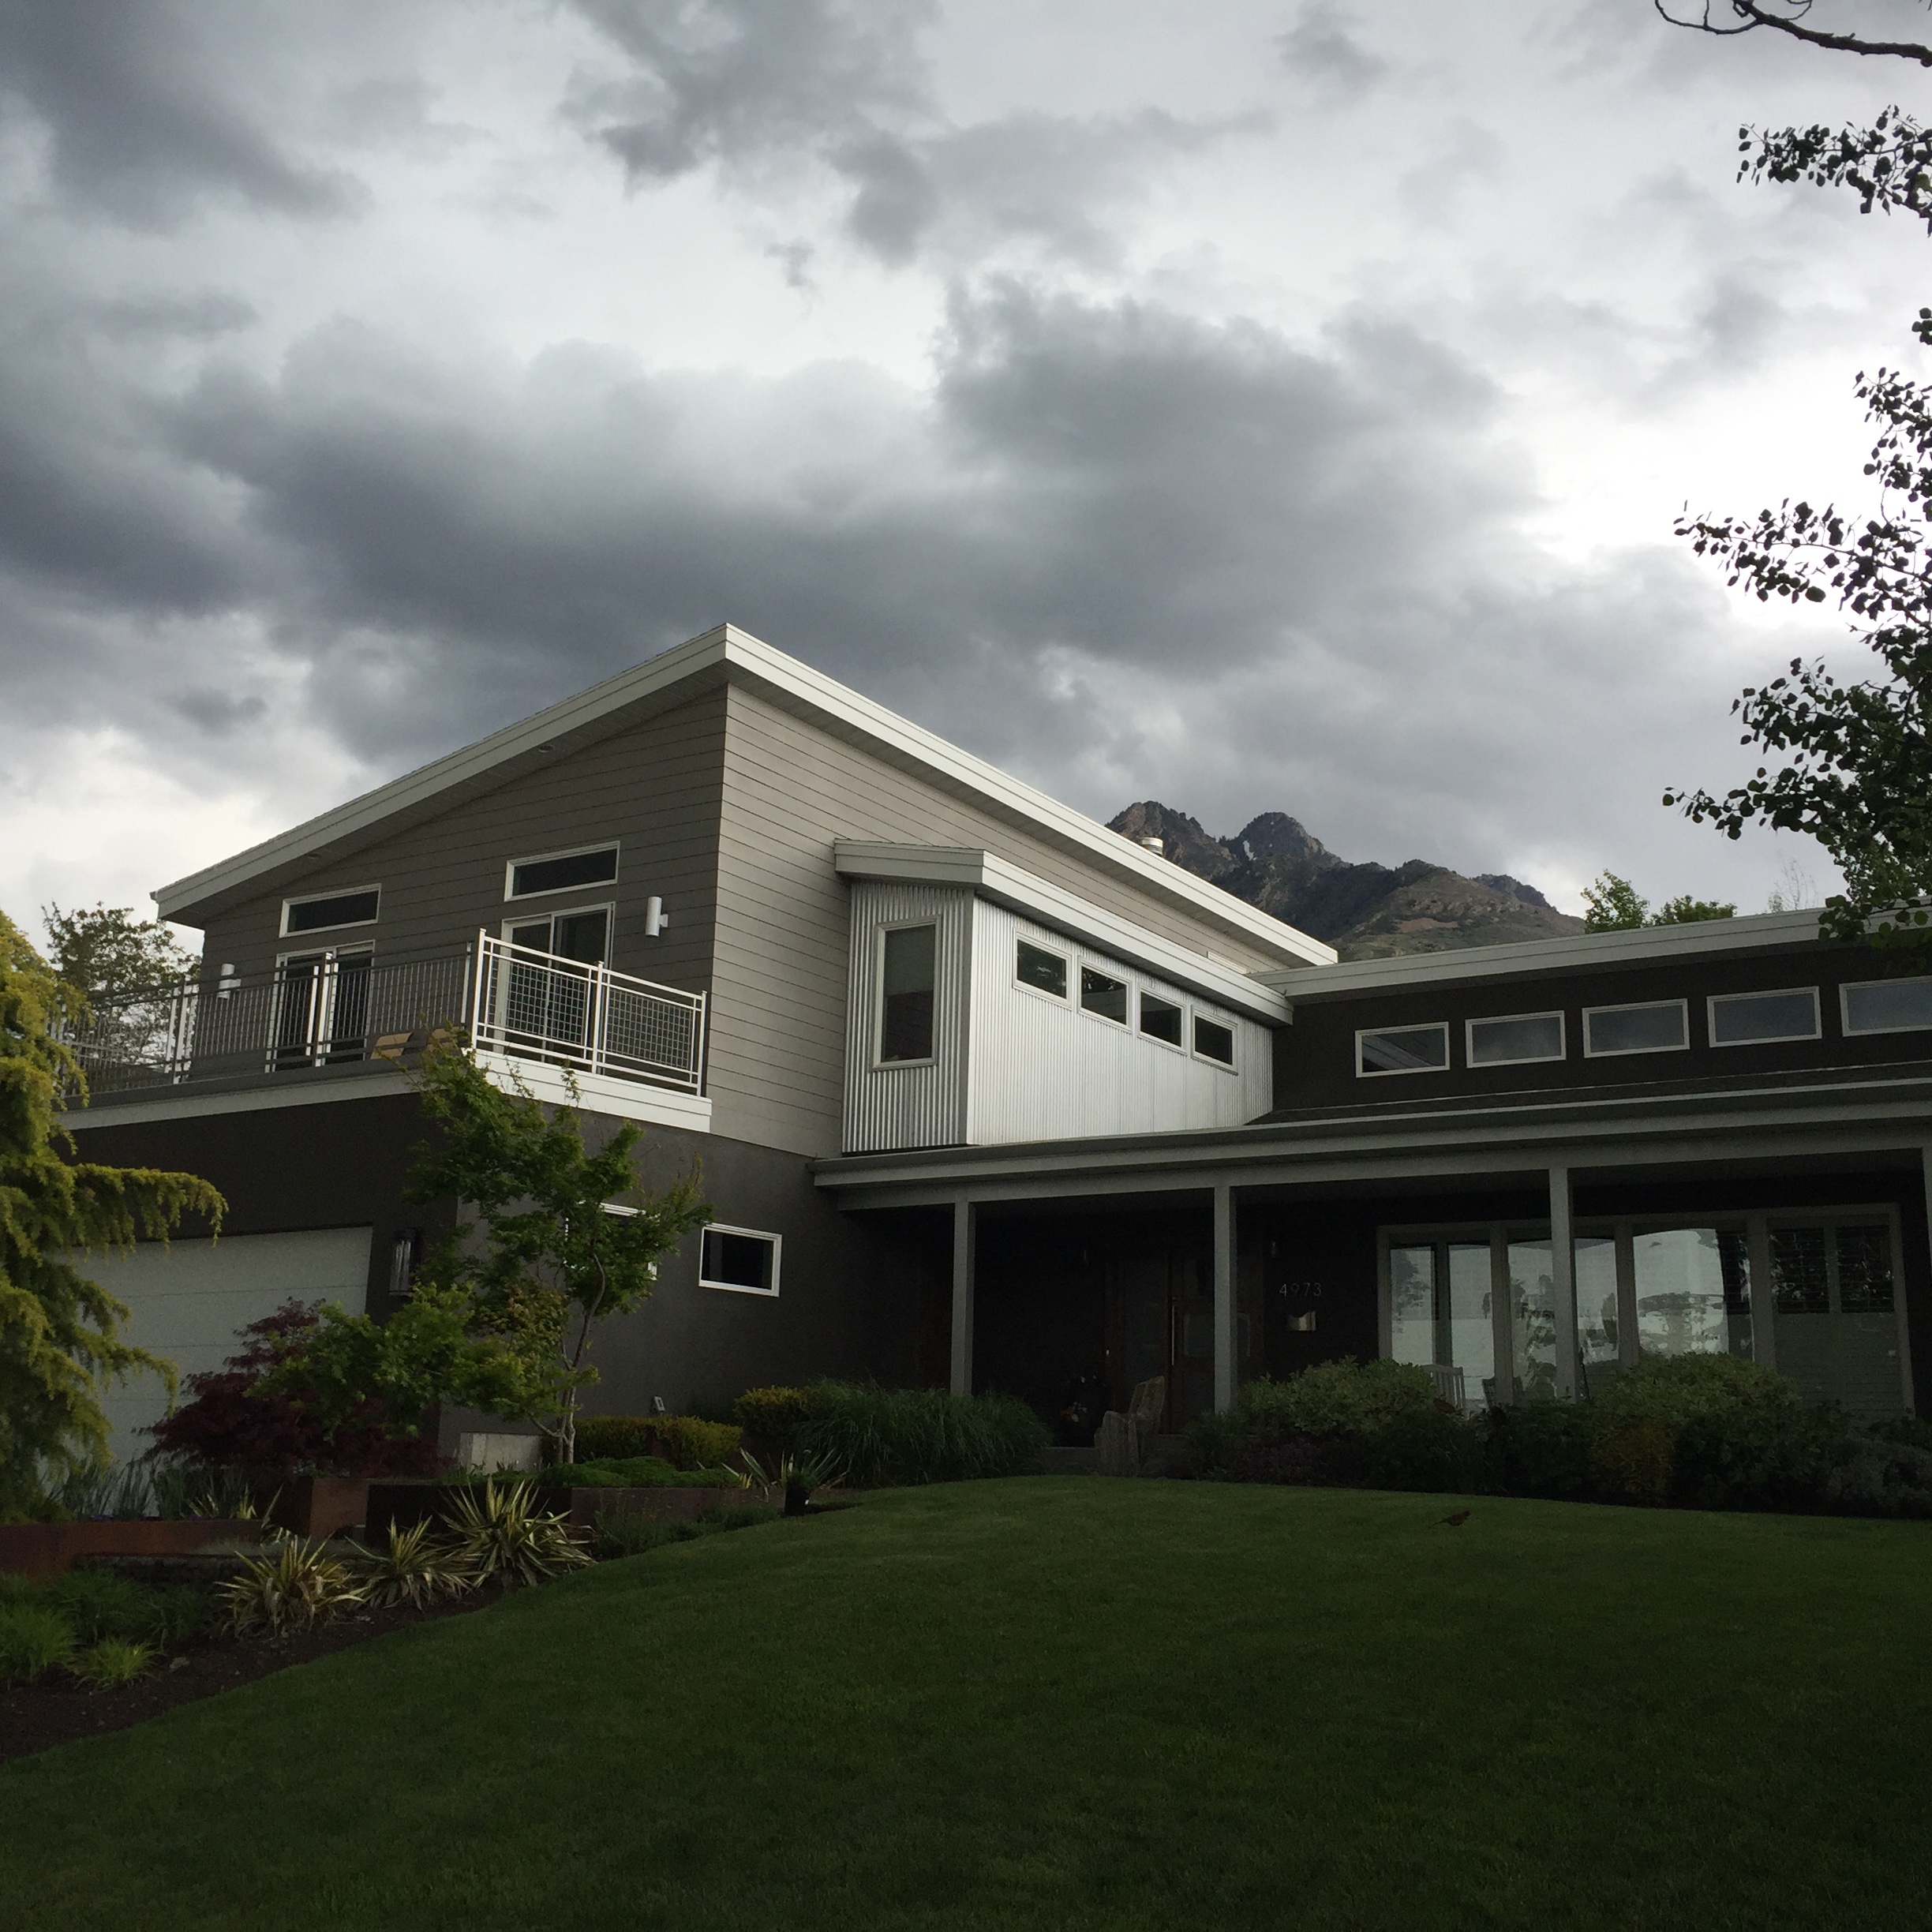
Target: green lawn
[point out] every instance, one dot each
(1065, 1704)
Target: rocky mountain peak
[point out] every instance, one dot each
(1365, 911)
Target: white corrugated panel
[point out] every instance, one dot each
(189, 1301)
(888, 1108)
(1043, 1069)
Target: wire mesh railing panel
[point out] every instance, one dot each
(581, 1015)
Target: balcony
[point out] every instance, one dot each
(338, 1010)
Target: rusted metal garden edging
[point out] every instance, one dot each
(49, 1549)
(403, 1503)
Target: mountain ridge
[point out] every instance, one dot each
(1363, 909)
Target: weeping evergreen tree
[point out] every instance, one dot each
(60, 1333)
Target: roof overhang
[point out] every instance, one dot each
(990, 876)
(725, 655)
(1648, 946)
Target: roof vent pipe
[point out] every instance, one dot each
(1154, 844)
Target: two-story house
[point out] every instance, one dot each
(983, 1093)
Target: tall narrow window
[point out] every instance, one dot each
(908, 965)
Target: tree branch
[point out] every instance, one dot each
(1752, 15)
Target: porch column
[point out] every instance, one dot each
(1225, 1331)
(963, 1232)
(1562, 1280)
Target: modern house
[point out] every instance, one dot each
(985, 1094)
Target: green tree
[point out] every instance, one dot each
(1857, 774)
(428, 1351)
(1616, 905)
(102, 949)
(569, 1236)
(60, 1335)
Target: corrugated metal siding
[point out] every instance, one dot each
(1042, 1070)
(891, 1108)
(655, 788)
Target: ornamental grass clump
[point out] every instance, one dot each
(497, 1531)
(32, 1639)
(880, 1436)
(111, 1663)
(299, 1584)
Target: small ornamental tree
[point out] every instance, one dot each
(60, 1333)
(1616, 905)
(569, 1236)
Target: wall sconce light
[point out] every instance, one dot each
(656, 917)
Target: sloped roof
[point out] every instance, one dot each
(725, 655)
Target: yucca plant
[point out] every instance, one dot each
(791, 1480)
(110, 1662)
(498, 1531)
(293, 1588)
(413, 1568)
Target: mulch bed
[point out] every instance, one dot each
(57, 1708)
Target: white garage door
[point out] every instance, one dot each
(190, 1300)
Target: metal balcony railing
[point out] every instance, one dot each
(542, 1006)
(334, 1009)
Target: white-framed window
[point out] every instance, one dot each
(1213, 1042)
(581, 933)
(1164, 1020)
(1514, 1040)
(1039, 969)
(1754, 1019)
(356, 905)
(740, 1260)
(561, 871)
(1104, 996)
(1886, 1006)
(908, 975)
(1402, 1049)
(321, 1006)
(1645, 1026)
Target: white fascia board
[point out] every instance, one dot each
(992, 877)
(737, 656)
(1761, 932)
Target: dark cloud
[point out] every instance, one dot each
(137, 127)
(1322, 48)
(746, 87)
(1122, 549)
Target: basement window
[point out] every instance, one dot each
(1040, 971)
(1518, 1039)
(334, 909)
(740, 1260)
(1655, 1026)
(1751, 1019)
(908, 962)
(1103, 996)
(1402, 1049)
(1161, 1019)
(591, 865)
(1213, 1041)
(1887, 1007)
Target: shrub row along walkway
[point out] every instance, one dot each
(1066, 1705)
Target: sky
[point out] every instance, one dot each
(1254, 406)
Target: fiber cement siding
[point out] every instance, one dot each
(655, 788)
(791, 789)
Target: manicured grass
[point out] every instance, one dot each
(1066, 1704)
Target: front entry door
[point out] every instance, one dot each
(1162, 1324)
